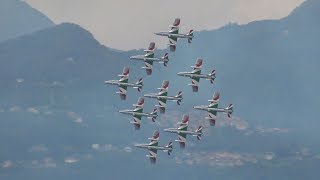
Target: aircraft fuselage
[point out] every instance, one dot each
(176, 130)
(168, 34)
(156, 96)
(150, 147)
(131, 112)
(116, 82)
(144, 58)
(189, 74)
(206, 108)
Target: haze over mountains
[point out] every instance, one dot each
(55, 108)
(18, 18)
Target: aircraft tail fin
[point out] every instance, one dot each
(139, 82)
(199, 130)
(198, 64)
(190, 34)
(140, 103)
(179, 95)
(154, 114)
(151, 48)
(125, 72)
(212, 76)
(229, 110)
(165, 59)
(155, 137)
(169, 146)
(215, 99)
(164, 87)
(176, 22)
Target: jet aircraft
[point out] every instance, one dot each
(138, 113)
(149, 58)
(196, 75)
(124, 84)
(173, 34)
(153, 147)
(162, 96)
(213, 108)
(183, 131)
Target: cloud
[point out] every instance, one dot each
(71, 160)
(75, 117)
(269, 156)
(103, 148)
(45, 163)
(19, 80)
(38, 148)
(222, 159)
(264, 130)
(15, 109)
(7, 164)
(127, 149)
(33, 110)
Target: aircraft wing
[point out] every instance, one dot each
(136, 122)
(195, 83)
(153, 155)
(182, 139)
(123, 91)
(148, 64)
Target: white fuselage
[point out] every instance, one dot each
(116, 82)
(207, 108)
(131, 112)
(150, 147)
(168, 34)
(176, 130)
(156, 96)
(144, 58)
(190, 74)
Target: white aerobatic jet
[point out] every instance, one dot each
(138, 113)
(196, 75)
(124, 84)
(213, 108)
(153, 147)
(149, 58)
(173, 34)
(162, 96)
(183, 131)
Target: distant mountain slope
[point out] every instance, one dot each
(18, 18)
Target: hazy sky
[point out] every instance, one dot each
(129, 24)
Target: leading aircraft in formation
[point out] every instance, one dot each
(138, 113)
(162, 96)
(183, 131)
(149, 58)
(213, 108)
(153, 147)
(173, 34)
(124, 84)
(196, 75)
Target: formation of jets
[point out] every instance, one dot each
(162, 96)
